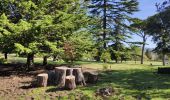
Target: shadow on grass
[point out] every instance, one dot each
(135, 82)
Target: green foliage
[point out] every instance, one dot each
(108, 16)
(42, 27)
(135, 52)
(158, 26)
(21, 49)
(77, 45)
(3, 61)
(105, 56)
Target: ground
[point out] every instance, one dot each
(129, 79)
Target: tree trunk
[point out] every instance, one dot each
(116, 60)
(79, 77)
(60, 76)
(70, 82)
(121, 60)
(30, 60)
(164, 59)
(54, 58)
(143, 48)
(45, 60)
(104, 23)
(42, 80)
(6, 55)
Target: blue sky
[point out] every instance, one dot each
(147, 8)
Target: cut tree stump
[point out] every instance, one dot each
(42, 80)
(79, 77)
(91, 77)
(70, 82)
(51, 77)
(69, 72)
(60, 76)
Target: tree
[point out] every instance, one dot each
(105, 13)
(118, 37)
(158, 26)
(6, 29)
(42, 27)
(139, 27)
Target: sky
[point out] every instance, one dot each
(147, 8)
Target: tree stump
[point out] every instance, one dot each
(69, 72)
(60, 76)
(79, 77)
(42, 80)
(51, 77)
(91, 77)
(70, 82)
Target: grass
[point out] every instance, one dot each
(132, 80)
(136, 80)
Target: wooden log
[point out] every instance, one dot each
(70, 82)
(79, 77)
(60, 76)
(91, 77)
(42, 80)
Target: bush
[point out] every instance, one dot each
(3, 61)
(106, 57)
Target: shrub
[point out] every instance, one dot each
(106, 57)
(3, 61)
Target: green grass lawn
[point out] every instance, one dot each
(135, 79)
(132, 80)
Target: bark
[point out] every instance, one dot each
(45, 60)
(69, 72)
(79, 77)
(117, 61)
(30, 60)
(60, 76)
(6, 55)
(104, 23)
(143, 49)
(42, 80)
(70, 83)
(164, 59)
(51, 77)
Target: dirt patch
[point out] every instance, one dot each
(15, 85)
(11, 87)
